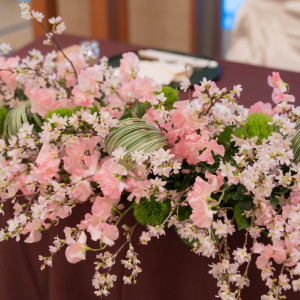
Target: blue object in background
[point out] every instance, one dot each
(229, 11)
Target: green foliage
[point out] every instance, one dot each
(141, 108)
(17, 117)
(242, 222)
(237, 195)
(95, 109)
(225, 136)
(3, 114)
(224, 139)
(151, 212)
(184, 212)
(135, 134)
(257, 125)
(61, 112)
(172, 96)
(19, 93)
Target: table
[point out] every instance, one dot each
(170, 270)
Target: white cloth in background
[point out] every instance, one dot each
(267, 33)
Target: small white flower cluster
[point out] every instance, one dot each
(155, 232)
(28, 14)
(131, 263)
(5, 49)
(103, 282)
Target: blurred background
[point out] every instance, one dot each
(234, 29)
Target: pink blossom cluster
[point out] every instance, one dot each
(222, 186)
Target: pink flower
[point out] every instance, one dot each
(276, 82)
(202, 216)
(76, 251)
(84, 99)
(82, 191)
(102, 208)
(76, 162)
(213, 180)
(115, 106)
(42, 100)
(277, 252)
(295, 197)
(281, 97)
(65, 70)
(35, 234)
(129, 67)
(110, 185)
(48, 164)
(8, 77)
(87, 87)
(144, 90)
(189, 147)
(105, 232)
(212, 145)
(137, 188)
(262, 107)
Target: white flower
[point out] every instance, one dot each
(25, 14)
(127, 280)
(185, 84)
(5, 48)
(296, 285)
(60, 28)
(284, 282)
(241, 255)
(145, 238)
(119, 153)
(161, 97)
(38, 16)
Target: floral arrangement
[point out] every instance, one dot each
(206, 166)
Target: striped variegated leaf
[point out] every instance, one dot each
(296, 143)
(17, 117)
(135, 134)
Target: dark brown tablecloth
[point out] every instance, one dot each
(170, 270)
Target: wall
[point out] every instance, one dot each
(160, 23)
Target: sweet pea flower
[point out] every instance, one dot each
(87, 87)
(105, 232)
(276, 82)
(129, 67)
(82, 191)
(35, 234)
(138, 189)
(42, 100)
(262, 107)
(76, 251)
(48, 164)
(212, 145)
(110, 185)
(102, 207)
(144, 90)
(277, 252)
(8, 77)
(201, 215)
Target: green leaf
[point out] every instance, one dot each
(274, 201)
(246, 203)
(172, 96)
(184, 212)
(242, 222)
(141, 108)
(225, 136)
